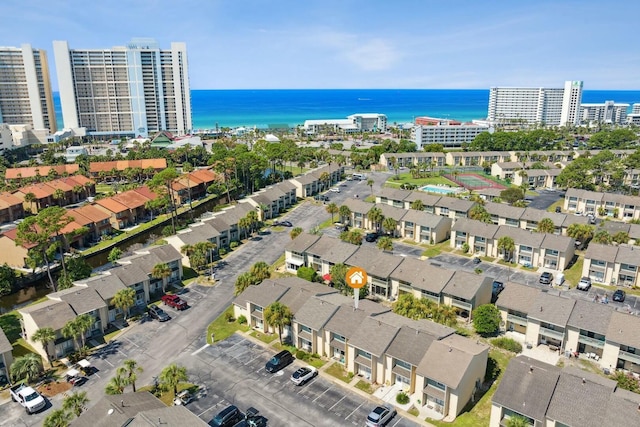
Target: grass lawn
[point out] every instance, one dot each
(338, 371)
(405, 178)
(222, 329)
(265, 338)
(552, 208)
(365, 386)
(437, 249)
(479, 414)
(167, 395)
(573, 274)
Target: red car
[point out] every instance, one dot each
(174, 301)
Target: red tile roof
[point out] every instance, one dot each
(30, 172)
(206, 175)
(7, 200)
(111, 205)
(74, 180)
(131, 199)
(146, 192)
(41, 191)
(59, 184)
(121, 165)
(91, 212)
(13, 234)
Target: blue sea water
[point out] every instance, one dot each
(232, 108)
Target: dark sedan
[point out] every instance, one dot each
(619, 295)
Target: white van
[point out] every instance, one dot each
(359, 176)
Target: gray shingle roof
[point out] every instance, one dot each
(425, 198)
(628, 255)
(117, 410)
(316, 312)
(261, 294)
(198, 233)
(374, 261)
(517, 297)
(300, 291)
(503, 210)
(5, 345)
(556, 242)
(106, 285)
(447, 360)
(170, 416)
(51, 313)
(531, 214)
(475, 228)
(527, 387)
(345, 319)
(358, 206)
(580, 398)
(552, 309)
(466, 285)
(455, 204)
(332, 250)
(391, 211)
(601, 252)
(423, 325)
(624, 329)
(82, 300)
(574, 219)
(426, 219)
(410, 345)
(422, 275)
(130, 274)
(622, 410)
(373, 336)
(302, 242)
(394, 193)
(165, 253)
(520, 236)
(590, 316)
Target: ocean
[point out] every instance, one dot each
(233, 108)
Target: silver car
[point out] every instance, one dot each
(380, 416)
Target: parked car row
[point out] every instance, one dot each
(231, 416)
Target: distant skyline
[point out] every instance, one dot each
(342, 44)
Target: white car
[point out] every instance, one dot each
(334, 189)
(303, 375)
(381, 416)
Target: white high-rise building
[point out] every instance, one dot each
(551, 106)
(25, 88)
(607, 112)
(133, 90)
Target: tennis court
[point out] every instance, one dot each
(472, 181)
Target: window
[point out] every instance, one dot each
(402, 364)
(338, 338)
(364, 354)
(304, 328)
(436, 384)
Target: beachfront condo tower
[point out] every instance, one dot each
(526, 105)
(25, 88)
(133, 90)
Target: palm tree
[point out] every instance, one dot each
(602, 237)
(370, 183)
(161, 271)
(71, 330)
(345, 213)
(244, 223)
(546, 225)
(295, 232)
(243, 281)
(77, 189)
(26, 367)
(30, 198)
(58, 418)
(446, 315)
(124, 299)
(507, 246)
(45, 336)
(131, 368)
(116, 384)
(253, 220)
(173, 375)
(260, 271)
(84, 323)
(385, 243)
(278, 315)
(417, 205)
(332, 208)
(58, 195)
(580, 232)
(375, 217)
(75, 402)
(517, 421)
(324, 179)
(389, 225)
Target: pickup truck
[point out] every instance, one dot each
(26, 396)
(174, 301)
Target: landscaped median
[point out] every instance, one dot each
(225, 326)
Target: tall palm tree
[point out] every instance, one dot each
(546, 225)
(117, 384)
(389, 225)
(30, 198)
(124, 299)
(370, 183)
(385, 243)
(278, 315)
(417, 205)
(325, 178)
(376, 217)
(58, 418)
(345, 213)
(131, 368)
(260, 271)
(243, 282)
(507, 246)
(254, 220)
(84, 323)
(26, 367)
(173, 375)
(332, 208)
(58, 195)
(77, 189)
(45, 336)
(295, 232)
(71, 330)
(161, 271)
(75, 402)
(244, 224)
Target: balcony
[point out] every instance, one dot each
(516, 319)
(631, 357)
(558, 335)
(591, 341)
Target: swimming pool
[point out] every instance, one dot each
(440, 190)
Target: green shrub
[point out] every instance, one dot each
(463, 332)
(465, 247)
(242, 319)
(167, 231)
(222, 251)
(234, 244)
(507, 344)
(402, 398)
(228, 316)
(306, 273)
(477, 270)
(301, 355)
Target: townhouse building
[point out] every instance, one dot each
(615, 265)
(421, 357)
(29, 172)
(511, 170)
(11, 207)
(93, 296)
(546, 395)
(537, 178)
(421, 160)
(110, 169)
(317, 180)
(531, 248)
(6, 356)
(586, 329)
(13, 254)
(614, 206)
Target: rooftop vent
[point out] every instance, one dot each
(531, 369)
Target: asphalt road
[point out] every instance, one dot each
(544, 199)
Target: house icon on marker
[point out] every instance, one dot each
(356, 278)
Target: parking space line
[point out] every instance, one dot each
(131, 342)
(200, 349)
(210, 408)
(397, 421)
(320, 395)
(354, 411)
(334, 405)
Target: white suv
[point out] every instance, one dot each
(585, 284)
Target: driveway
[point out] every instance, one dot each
(545, 198)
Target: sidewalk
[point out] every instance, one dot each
(383, 394)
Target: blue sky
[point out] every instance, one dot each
(276, 44)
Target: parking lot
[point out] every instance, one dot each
(232, 372)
